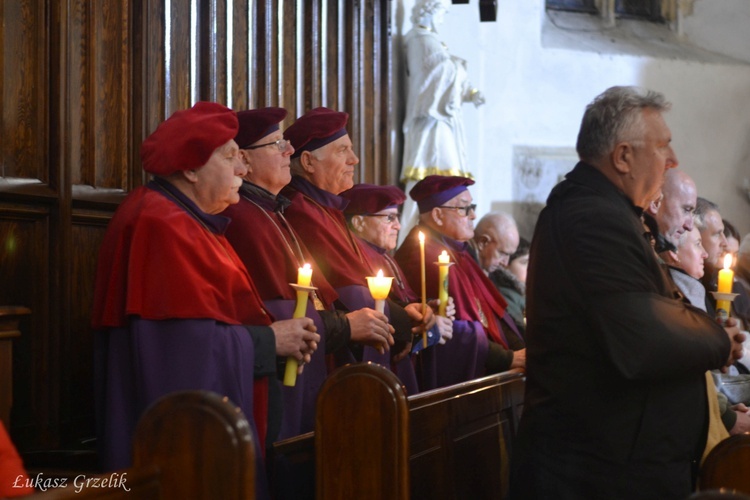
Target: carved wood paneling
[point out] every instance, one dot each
(24, 86)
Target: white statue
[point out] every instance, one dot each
(437, 87)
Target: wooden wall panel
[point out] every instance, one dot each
(24, 86)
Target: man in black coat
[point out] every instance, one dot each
(615, 398)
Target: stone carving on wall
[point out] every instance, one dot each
(536, 170)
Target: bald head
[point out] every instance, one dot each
(496, 238)
(674, 214)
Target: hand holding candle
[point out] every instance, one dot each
(444, 261)
(304, 278)
(424, 286)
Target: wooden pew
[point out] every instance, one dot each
(193, 444)
(373, 442)
(727, 467)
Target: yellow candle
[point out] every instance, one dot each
(443, 261)
(726, 277)
(380, 287)
(424, 286)
(304, 275)
(304, 278)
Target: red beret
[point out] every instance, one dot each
(255, 124)
(188, 138)
(370, 199)
(434, 190)
(315, 129)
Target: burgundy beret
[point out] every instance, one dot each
(188, 138)
(434, 190)
(371, 199)
(255, 124)
(315, 129)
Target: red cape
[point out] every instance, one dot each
(324, 231)
(158, 262)
(474, 295)
(256, 235)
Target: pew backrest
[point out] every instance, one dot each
(458, 441)
(191, 444)
(727, 466)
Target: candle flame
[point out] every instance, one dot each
(421, 237)
(728, 261)
(306, 267)
(380, 273)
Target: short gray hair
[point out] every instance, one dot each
(702, 207)
(612, 114)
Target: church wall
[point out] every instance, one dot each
(538, 79)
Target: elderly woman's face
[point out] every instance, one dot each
(219, 180)
(691, 254)
(381, 229)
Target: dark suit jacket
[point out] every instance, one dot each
(615, 398)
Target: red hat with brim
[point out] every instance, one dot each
(188, 138)
(315, 129)
(370, 199)
(434, 190)
(255, 124)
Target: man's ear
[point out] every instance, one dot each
(437, 216)
(306, 161)
(245, 159)
(190, 175)
(653, 207)
(622, 157)
(358, 223)
(481, 240)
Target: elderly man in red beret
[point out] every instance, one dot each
(485, 338)
(322, 168)
(173, 302)
(273, 253)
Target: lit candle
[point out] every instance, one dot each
(424, 286)
(304, 278)
(380, 287)
(444, 263)
(726, 277)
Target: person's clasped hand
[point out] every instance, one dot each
(736, 337)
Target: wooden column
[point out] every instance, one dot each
(10, 316)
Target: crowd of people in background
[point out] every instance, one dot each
(618, 271)
(611, 294)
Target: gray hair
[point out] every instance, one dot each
(611, 115)
(702, 207)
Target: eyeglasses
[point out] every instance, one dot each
(389, 218)
(466, 210)
(282, 144)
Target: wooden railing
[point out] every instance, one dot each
(371, 441)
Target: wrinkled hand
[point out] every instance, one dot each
(414, 310)
(445, 327)
(732, 328)
(742, 424)
(296, 338)
(371, 328)
(450, 308)
(519, 359)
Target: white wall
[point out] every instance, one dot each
(536, 92)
